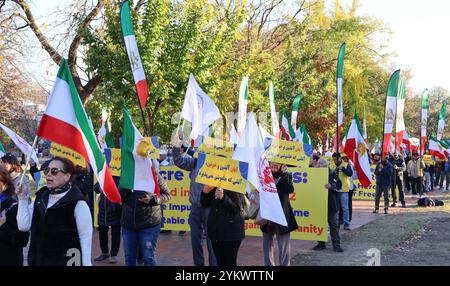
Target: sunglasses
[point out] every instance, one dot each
(53, 171)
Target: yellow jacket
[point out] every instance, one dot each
(344, 175)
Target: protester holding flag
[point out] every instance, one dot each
(59, 219)
(345, 212)
(333, 186)
(225, 227)
(198, 216)
(285, 188)
(14, 168)
(415, 172)
(383, 173)
(12, 241)
(397, 180)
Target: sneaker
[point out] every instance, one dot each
(182, 233)
(394, 205)
(347, 227)
(375, 211)
(385, 211)
(337, 248)
(113, 259)
(320, 246)
(102, 257)
(404, 206)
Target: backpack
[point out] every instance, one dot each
(425, 202)
(438, 203)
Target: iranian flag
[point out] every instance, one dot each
(273, 113)
(2, 150)
(286, 128)
(424, 122)
(339, 95)
(243, 101)
(302, 136)
(250, 149)
(103, 136)
(137, 171)
(65, 122)
(295, 108)
(435, 149)
(390, 110)
(133, 53)
(441, 124)
(356, 149)
(400, 122)
(407, 141)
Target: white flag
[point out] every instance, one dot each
(199, 109)
(250, 149)
(21, 143)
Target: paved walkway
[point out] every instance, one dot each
(175, 250)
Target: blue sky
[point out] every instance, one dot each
(420, 37)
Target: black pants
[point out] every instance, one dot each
(432, 179)
(437, 178)
(385, 191)
(115, 239)
(333, 216)
(407, 182)
(401, 194)
(226, 252)
(416, 185)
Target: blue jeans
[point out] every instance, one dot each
(146, 239)
(198, 221)
(343, 198)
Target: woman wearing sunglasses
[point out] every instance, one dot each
(12, 241)
(59, 219)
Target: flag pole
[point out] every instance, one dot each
(27, 160)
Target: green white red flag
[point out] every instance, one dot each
(356, 150)
(424, 122)
(137, 170)
(390, 111)
(295, 108)
(243, 101)
(133, 53)
(286, 129)
(339, 95)
(441, 123)
(400, 129)
(65, 122)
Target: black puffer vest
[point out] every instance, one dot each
(54, 230)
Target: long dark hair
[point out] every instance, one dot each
(5, 178)
(12, 160)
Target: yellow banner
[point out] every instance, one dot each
(309, 203)
(113, 158)
(176, 211)
(370, 192)
(428, 159)
(61, 151)
(287, 152)
(217, 147)
(222, 172)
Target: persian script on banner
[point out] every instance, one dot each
(217, 147)
(61, 151)
(287, 152)
(222, 172)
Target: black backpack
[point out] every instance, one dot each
(438, 203)
(425, 202)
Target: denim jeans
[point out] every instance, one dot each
(343, 199)
(146, 239)
(198, 221)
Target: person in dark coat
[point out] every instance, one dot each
(84, 180)
(225, 226)
(285, 188)
(383, 173)
(108, 217)
(12, 241)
